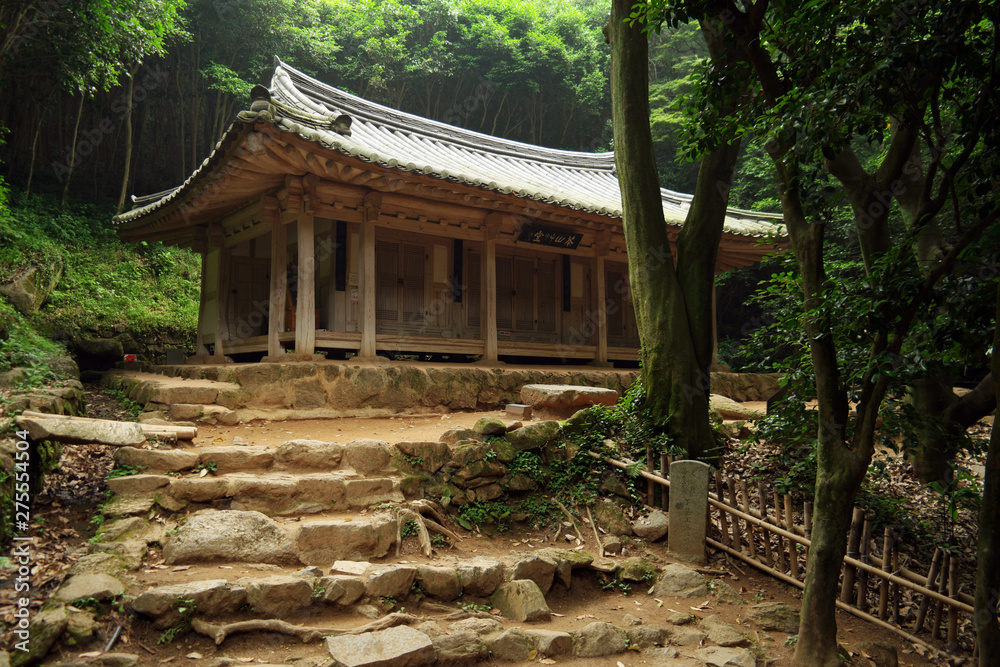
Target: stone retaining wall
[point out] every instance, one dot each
(330, 389)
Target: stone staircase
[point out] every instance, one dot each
(228, 554)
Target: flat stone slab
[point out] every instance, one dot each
(730, 409)
(120, 434)
(566, 398)
(229, 535)
(101, 587)
(396, 647)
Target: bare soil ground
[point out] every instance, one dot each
(72, 494)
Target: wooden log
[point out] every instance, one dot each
(768, 556)
(857, 521)
(952, 610)
(883, 591)
(807, 516)
(865, 549)
(793, 550)
(182, 432)
(751, 541)
(931, 578)
(723, 523)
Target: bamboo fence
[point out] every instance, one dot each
(763, 529)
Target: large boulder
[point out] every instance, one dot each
(323, 542)
(653, 526)
(278, 595)
(722, 633)
(521, 600)
(312, 454)
(480, 576)
(461, 648)
(367, 457)
(396, 647)
(46, 627)
(716, 656)
(599, 639)
(680, 581)
(779, 616)
(100, 587)
(166, 604)
(611, 518)
(230, 535)
(29, 289)
(565, 399)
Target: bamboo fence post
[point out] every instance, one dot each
(846, 593)
(931, 577)
(894, 587)
(777, 522)
(807, 515)
(763, 516)
(665, 474)
(883, 591)
(650, 484)
(752, 546)
(737, 542)
(952, 611)
(793, 547)
(723, 522)
(943, 589)
(866, 545)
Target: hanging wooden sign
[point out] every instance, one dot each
(556, 238)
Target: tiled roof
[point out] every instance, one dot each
(409, 143)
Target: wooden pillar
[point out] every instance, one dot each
(223, 291)
(602, 245)
(491, 228)
(279, 288)
(372, 205)
(200, 349)
(305, 308)
(601, 314)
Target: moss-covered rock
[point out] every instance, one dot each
(638, 569)
(534, 436)
(490, 426)
(611, 518)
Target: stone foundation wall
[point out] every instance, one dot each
(330, 389)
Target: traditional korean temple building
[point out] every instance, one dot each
(326, 221)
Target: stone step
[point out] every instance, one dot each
(366, 457)
(313, 599)
(347, 582)
(273, 493)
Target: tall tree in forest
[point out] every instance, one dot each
(672, 289)
(832, 74)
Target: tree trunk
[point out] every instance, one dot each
(34, 147)
(673, 305)
(988, 552)
(72, 150)
(128, 140)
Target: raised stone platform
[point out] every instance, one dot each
(330, 389)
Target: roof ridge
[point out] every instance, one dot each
(403, 121)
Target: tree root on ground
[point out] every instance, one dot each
(219, 633)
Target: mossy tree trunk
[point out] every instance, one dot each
(987, 600)
(672, 290)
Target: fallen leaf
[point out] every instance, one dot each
(547, 661)
(181, 568)
(194, 655)
(620, 663)
(532, 654)
(90, 654)
(203, 472)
